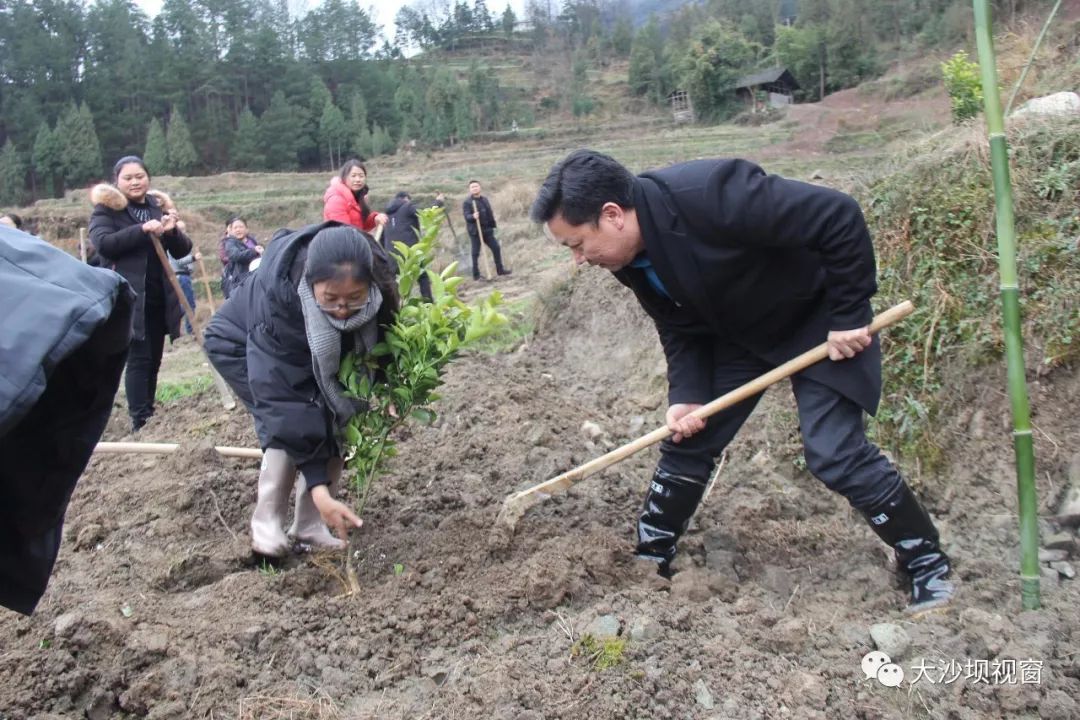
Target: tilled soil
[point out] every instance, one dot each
(157, 610)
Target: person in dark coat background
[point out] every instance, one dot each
(741, 271)
(279, 341)
(404, 226)
(125, 216)
(237, 251)
(481, 221)
(61, 354)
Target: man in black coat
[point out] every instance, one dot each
(403, 225)
(741, 271)
(480, 222)
(62, 350)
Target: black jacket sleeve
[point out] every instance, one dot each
(760, 210)
(287, 401)
(689, 363)
(238, 252)
(412, 218)
(176, 243)
(110, 239)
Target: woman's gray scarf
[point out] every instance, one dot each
(324, 336)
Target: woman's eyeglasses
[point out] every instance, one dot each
(348, 307)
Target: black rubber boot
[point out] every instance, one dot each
(902, 522)
(665, 514)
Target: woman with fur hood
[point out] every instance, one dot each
(346, 199)
(125, 216)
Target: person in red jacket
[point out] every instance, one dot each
(346, 199)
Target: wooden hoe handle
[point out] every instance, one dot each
(526, 498)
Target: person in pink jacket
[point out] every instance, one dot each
(346, 199)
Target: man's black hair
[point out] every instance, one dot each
(15, 219)
(579, 185)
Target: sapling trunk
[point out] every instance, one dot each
(1010, 303)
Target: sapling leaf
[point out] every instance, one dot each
(423, 416)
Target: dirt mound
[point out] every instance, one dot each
(155, 609)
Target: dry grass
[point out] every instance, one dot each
(317, 706)
(512, 200)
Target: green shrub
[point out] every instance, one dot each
(963, 85)
(933, 223)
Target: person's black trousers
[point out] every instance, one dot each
(425, 286)
(836, 448)
(496, 251)
(144, 361)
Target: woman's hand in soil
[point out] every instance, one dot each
(681, 422)
(335, 513)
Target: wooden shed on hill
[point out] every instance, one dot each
(778, 83)
(681, 108)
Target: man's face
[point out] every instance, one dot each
(611, 244)
(474, 189)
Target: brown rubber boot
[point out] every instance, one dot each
(308, 526)
(268, 521)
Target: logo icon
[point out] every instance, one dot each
(877, 664)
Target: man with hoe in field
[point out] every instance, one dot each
(480, 222)
(742, 271)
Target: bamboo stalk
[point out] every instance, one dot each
(145, 448)
(82, 244)
(1034, 50)
(1023, 445)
